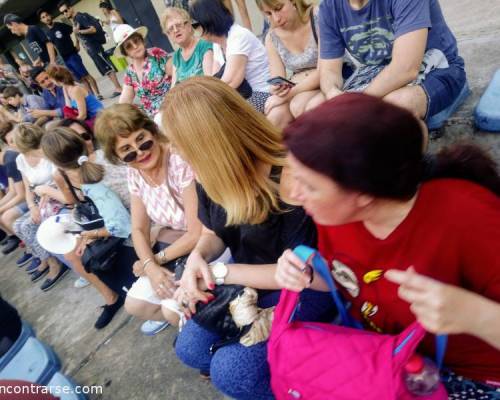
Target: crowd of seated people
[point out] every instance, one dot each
(218, 160)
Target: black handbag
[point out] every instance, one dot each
(100, 255)
(215, 316)
(245, 90)
(85, 213)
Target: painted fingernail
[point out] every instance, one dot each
(211, 286)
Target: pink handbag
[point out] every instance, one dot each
(318, 361)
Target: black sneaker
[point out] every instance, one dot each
(49, 283)
(37, 275)
(108, 312)
(11, 244)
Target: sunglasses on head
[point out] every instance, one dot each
(144, 146)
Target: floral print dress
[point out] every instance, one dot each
(155, 80)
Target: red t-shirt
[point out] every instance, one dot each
(452, 234)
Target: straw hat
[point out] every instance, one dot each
(122, 32)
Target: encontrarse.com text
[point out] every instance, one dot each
(54, 390)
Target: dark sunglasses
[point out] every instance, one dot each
(65, 10)
(132, 42)
(129, 157)
(86, 136)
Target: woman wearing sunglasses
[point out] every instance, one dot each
(148, 77)
(67, 150)
(162, 191)
(194, 55)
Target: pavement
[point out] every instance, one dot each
(131, 366)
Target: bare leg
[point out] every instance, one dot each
(109, 295)
(8, 218)
(299, 102)
(318, 99)
(143, 310)
(55, 267)
(280, 116)
(114, 79)
(413, 98)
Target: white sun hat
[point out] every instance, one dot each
(52, 234)
(122, 32)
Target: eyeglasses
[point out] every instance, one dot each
(132, 42)
(176, 27)
(65, 10)
(86, 136)
(144, 146)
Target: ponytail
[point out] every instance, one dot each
(463, 161)
(67, 150)
(91, 172)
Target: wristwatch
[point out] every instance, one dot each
(219, 271)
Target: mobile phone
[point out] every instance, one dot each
(279, 80)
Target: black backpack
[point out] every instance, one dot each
(99, 35)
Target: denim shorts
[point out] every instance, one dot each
(22, 208)
(75, 65)
(442, 87)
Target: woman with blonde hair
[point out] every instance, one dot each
(80, 174)
(194, 55)
(42, 197)
(292, 45)
(243, 204)
(162, 192)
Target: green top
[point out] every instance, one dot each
(193, 66)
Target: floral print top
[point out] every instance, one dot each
(155, 81)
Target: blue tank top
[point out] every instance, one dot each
(93, 105)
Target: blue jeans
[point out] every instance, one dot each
(238, 371)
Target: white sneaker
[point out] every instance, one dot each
(81, 283)
(151, 328)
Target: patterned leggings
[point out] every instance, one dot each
(26, 230)
(460, 388)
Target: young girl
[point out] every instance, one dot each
(68, 151)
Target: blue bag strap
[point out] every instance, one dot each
(306, 254)
(441, 344)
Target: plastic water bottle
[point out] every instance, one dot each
(421, 376)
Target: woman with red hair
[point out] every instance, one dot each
(433, 220)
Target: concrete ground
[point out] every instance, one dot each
(131, 366)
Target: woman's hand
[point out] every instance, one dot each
(41, 190)
(439, 307)
(196, 277)
(138, 269)
(162, 280)
(35, 214)
(80, 248)
(292, 273)
(273, 101)
(281, 90)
